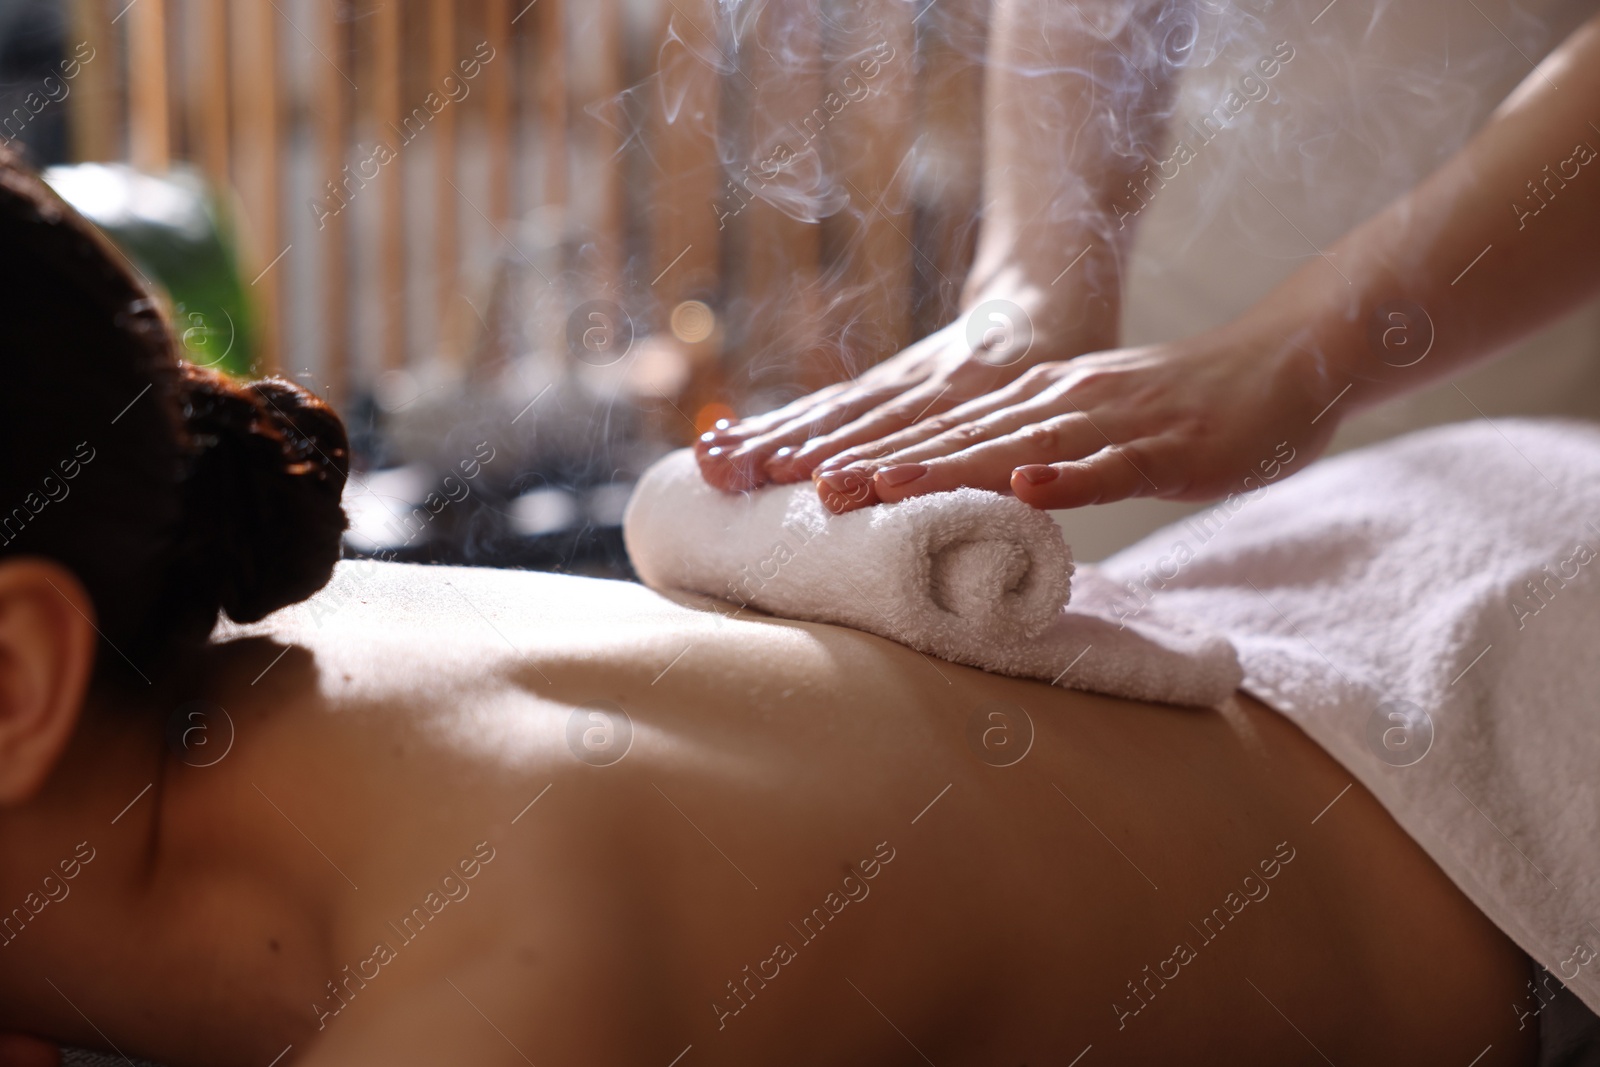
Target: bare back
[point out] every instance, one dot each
(562, 820)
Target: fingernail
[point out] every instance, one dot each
(840, 481)
(901, 474)
(842, 487)
(721, 424)
(1037, 473)
(779, 461)
(735, 469)
(712, 437)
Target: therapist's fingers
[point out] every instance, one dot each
(990, 406)
(972, 380)
(932, 398)
(738, 460)
(1027, 433)
(823, 418)
(886, 450)
(988, 464)
(846, 490)
(740, 455)
(1116, 472)
(985, 465)
(731, 432)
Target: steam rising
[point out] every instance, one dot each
(1374, 97)
(823, 161)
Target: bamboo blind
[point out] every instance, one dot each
(628, 124)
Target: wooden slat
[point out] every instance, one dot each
(257, 146)
(149, 128)
(550, 74)
(865, 127)
(949, 120)
(494, 87)
(391, 185)
(95, 104)
(688, 196)
(332, 122)
(446, 210)
(182, 86)
(208, 104)
(604, 36)
(544, 23)
(687, 191)
(794, 284)
(594, 41)
(497, 106)
(773, 321)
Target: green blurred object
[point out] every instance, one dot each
(179, 234)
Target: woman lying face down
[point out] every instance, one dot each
(428, 815)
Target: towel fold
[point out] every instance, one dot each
(1428, 610)
(969, 576)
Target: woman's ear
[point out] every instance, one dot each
(47, 648)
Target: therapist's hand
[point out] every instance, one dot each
(934, 375)
(994, 342)
(1192, 420)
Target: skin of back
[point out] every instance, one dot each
(807, 851)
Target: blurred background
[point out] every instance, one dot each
(527, 246)
(508, 239)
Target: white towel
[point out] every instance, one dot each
(969, 576)
(1428, 611)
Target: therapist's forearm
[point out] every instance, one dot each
(1499, 242)
(1076, 98)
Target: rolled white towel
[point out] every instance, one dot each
(970, 576)
(934, 572)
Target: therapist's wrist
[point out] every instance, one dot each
(1314, 353)
(1066, 308)
(1358, 334)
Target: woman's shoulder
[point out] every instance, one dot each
(436, 614)
(452, 601)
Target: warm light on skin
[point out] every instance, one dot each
(407, 717)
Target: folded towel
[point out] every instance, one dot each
(1428, 611)
(969, 576)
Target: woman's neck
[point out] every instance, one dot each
(144, 906)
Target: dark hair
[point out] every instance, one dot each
(171, 491)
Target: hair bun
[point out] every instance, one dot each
(262, 521)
